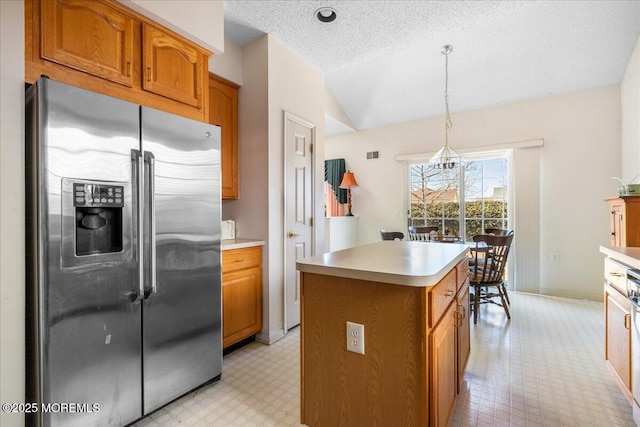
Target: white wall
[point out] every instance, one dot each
(630, 98)
(297, 87)
(274, 80)
(228, 64)
(12, 262)
(581, 133)
(251, 211)
(335, 111)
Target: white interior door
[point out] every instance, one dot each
(298, 221)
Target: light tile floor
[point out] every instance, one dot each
(543, 368)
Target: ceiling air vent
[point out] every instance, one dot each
(372, 155)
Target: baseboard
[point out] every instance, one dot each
(269, 339)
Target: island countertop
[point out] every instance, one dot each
(627, 255)
(410, 263)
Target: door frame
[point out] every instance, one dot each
(287, 117)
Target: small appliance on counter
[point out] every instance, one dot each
(228, 229)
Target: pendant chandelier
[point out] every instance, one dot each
(446, 158)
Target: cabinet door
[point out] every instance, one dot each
(172, 66)
(443, 385)
(223, 111)
(618, 336)
(617, 225)
(89, 36)
(463, 331)
(241, 304)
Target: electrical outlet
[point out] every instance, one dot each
(355, 337)
(555, 257)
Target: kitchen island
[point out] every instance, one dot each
(412, 300)
(622, 320)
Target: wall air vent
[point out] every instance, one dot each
(373, 155)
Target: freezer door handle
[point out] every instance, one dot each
(137, 166)
(150, 160)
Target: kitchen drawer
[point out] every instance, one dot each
(237, 259)
(440, 296)
(616, 274)
(462, 272)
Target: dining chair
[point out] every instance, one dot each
(498, 231)
(391, 235)
(421, 232)
(486, 275)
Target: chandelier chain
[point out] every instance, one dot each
(447, 121)
(446, 158)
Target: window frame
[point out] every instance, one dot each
(462, 197)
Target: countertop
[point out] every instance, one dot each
(626, 255)
(410, 263)
(229, 244)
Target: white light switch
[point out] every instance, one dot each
(355, 337)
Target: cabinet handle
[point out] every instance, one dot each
(128, 68)
(458, 319)
(148, 74)
(464, 311)
(239, 260)
(627, 321)
(449, 293)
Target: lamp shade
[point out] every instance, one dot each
(348, 180)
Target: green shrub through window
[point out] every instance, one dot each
(462, 201)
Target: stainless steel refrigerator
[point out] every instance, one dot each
(123, 251)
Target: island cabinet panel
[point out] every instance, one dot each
(88, 36)
(618, 338)
(241, 294)
(386, 386)
(223, 112)
(173, 66)
(462, 273)
(444, 384)
(441, 296)
(463, 332)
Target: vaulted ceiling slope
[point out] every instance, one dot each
(383, 64)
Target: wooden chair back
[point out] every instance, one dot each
(391, 235)
(421, 232)
(498, 231)
(490, 268)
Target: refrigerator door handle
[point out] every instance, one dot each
(150, 159)
(137, 166)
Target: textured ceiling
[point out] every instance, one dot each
(383, 64)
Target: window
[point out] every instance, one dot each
(462, 201)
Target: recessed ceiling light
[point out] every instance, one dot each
(326, 14)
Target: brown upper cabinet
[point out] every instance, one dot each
(173, 66)
(625, 220)
(106, 47)
(88, 36)
(223, 111)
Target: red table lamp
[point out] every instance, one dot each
(348, 181)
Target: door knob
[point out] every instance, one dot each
(292, 234)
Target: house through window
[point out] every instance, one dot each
(462, 201)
